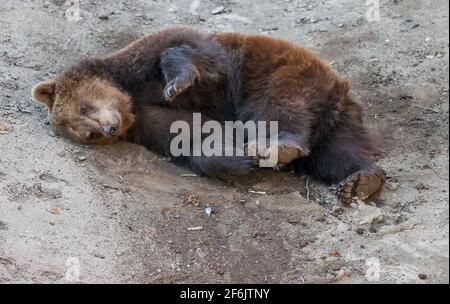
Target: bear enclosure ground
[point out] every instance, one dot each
(127, 215)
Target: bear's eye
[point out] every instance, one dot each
(83, 110)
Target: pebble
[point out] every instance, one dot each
(295, 219)
(337, 210)
(4, 129)
(423, 276)
(3, 225)
(218, 10)
(195, 228)
(99, 256)
(220, 272)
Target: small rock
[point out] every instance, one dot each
(421, 187)
(293, 219)
(194, 228)
(258, 234)
(4, 129)
(218, 10)
(360, 230)
(103, 17)
(335, 253)
(408, 25)
(220, 272)
(3, 225)
(54, 210)
(321, 219)
(376, 223)
(81, 158)
(192, 200)
(337, 210)
(339, 277)
(423, 276)
(99, 256)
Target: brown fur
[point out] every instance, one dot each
(169, 75)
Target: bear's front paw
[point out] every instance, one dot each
(170, 91)
(175, 87)
(280, 155)
(362, 185)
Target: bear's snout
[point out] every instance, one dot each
(110, 129)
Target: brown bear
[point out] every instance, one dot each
(137, 92)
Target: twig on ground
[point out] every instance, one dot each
(425, 108)
(437, 174)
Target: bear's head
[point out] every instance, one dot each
(86, 109)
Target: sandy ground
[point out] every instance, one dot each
(121, 213)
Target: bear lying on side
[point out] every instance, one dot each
(137, 92)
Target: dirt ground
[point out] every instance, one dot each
(124, 213)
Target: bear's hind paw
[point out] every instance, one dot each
(362, 185)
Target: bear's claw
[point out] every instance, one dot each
(174, 88)
(286, 153)
(363, 185)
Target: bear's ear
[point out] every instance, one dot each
(45, 92)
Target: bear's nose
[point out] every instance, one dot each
(109, 130)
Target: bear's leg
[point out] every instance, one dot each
(152, 129)
(294, 129)
(183, 65)
(343, 158)
(222, 167)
